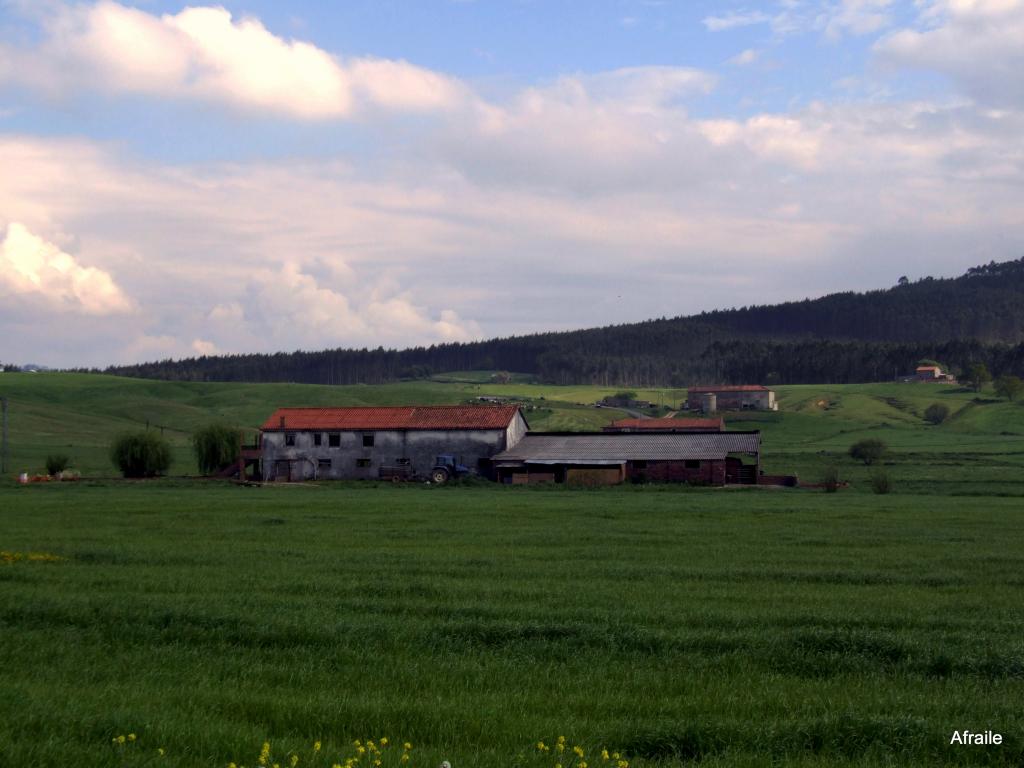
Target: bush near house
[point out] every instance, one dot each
(216, 446)
(141, 454)
(57, 463)
(936, 413)
(1009, 386)
(868, 450)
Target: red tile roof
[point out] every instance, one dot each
(392, 417)
(678, 424)
(731, 388)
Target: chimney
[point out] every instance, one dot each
(282, 422)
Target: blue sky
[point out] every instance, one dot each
(256, 176)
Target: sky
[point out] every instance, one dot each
(184, 180)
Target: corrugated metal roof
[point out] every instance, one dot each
(730, 388)
(392, 417)
(668, 424)
(591, 448)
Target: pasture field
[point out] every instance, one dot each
(733, 628)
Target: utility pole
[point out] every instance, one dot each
(3, 447)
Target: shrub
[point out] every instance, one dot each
(216, 446)
(868, 450)
(936, 413)
(830, 478)
(1009, 386)
(880, 481)
(57, 463)
(141, 454)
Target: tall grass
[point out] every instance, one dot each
(674, 625)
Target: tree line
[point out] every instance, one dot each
(841, 338)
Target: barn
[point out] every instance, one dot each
(371, 443)
(607, 458)
(733, 397)
(666, 425)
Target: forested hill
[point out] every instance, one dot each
(843, 337)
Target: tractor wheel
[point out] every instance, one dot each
(396, 479)
(439, 475)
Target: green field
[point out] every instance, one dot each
(676, 625)
(736, 627)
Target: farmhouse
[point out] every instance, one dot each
(933, 374)
(666, 425)
(607, 458)
(739, 397)
(394, 441)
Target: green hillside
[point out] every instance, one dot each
(979, 449)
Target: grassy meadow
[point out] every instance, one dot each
(674, 625)
(734, 628)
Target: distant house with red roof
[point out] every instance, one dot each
(666, 425)
(933, 374)
(384, 441)
(731, 397)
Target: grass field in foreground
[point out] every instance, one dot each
(735, 628)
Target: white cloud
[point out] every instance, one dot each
(744, 58)
(31, 267)
(203, 53)
(734, 19)
(977, 43)
(856, 17)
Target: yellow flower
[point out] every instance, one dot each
(377, 761)
(623, 764)
(361, 750)
(131, 737)
(558, 765)
(407, 746)
(405, 758)
(540, 746)
(357, 743)
(120, 739)
(160, 751)
(561, 739)
(316, 746)
(581, 764)
(616, 755)
(578, 750)
(384, 741)
(295, 760)
(604, 754)
(560, 747)
(232, 765)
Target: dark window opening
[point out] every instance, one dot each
(317, 438)
(368, 440)
(289, 439)
(334, 440)
(692, 464)
(362, 462)
(323, 465)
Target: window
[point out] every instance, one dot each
(323, 465)
(317, 438)
(362, 462)
(403, 462)
(289, 439)
(368, 440)
(692, 464)
(334, 440)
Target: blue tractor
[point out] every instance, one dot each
(446, 466)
